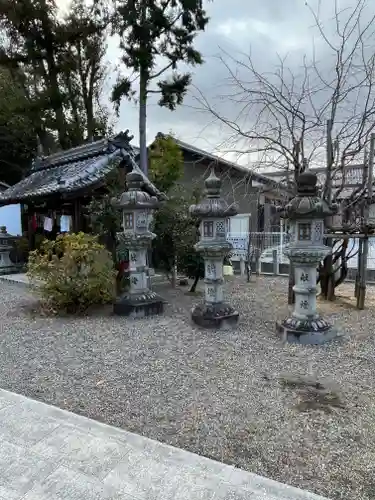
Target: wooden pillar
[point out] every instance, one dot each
(30, 228)
(77, 222)
(359, 267)
(361, 291)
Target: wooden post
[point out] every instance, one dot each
(275, 263)
(291, 283)
(361, 292)
(30, 228)
(361, 297)
(359, 266)
(77, 215)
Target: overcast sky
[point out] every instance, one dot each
(267, 28)
(264, 26)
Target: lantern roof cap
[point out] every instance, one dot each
(307, 183)
(213, 185)
(135, 197)
(308, 204)
(134, 181)
(4, 233)
(213, 205)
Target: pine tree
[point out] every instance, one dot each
(155, 36)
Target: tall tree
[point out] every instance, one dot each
(84, 70)
(34, 38)
(59, 63)
(155, 36)
(166, 163)
(17, 132)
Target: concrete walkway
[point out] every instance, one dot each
(50, 454)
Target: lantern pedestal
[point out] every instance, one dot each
(305, 325)
(139, 306)
(218, 316)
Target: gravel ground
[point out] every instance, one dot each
(300, 415)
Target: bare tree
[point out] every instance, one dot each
(321, 114)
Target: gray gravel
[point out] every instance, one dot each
(228, 396)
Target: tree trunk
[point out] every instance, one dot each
(291, 283)
(327, 279)
(56, 101)
(90, 121)
(195, 284)
(142, 121)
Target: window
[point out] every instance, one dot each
(208, 229)
(318, 231)
(128, 221)
(220, 228)
(304, 231)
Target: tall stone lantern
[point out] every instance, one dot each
(306, 213)
(137, 209)
(213, 211)
(6, 246)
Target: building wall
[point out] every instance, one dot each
(235, 188)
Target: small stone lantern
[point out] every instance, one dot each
(137, 208)
(6, 246)
(306, 213)
(213, 246)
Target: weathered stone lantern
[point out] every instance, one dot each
(6, 246)
(213, 246)
(137, 208)
(306, 213)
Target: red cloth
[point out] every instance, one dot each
(124, 267)
(34, 223)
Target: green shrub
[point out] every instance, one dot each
(73, 272)
(20, 252)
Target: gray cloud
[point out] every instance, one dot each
(269, 28)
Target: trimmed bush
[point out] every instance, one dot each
(72, 273)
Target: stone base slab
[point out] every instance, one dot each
(139, 306)
(218, 316)
(5, 270)
(312, 332)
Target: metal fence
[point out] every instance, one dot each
(264, 249)
(267, 257)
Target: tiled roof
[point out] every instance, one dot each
(74, 169)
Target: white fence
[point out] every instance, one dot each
(266, 252)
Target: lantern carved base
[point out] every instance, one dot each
(139, 306)
(310, 331)
(217, 316)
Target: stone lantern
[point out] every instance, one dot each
(137, 209)
(6, 246)
(306, 213)
(213, 212)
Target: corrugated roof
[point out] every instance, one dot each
(74, 169)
